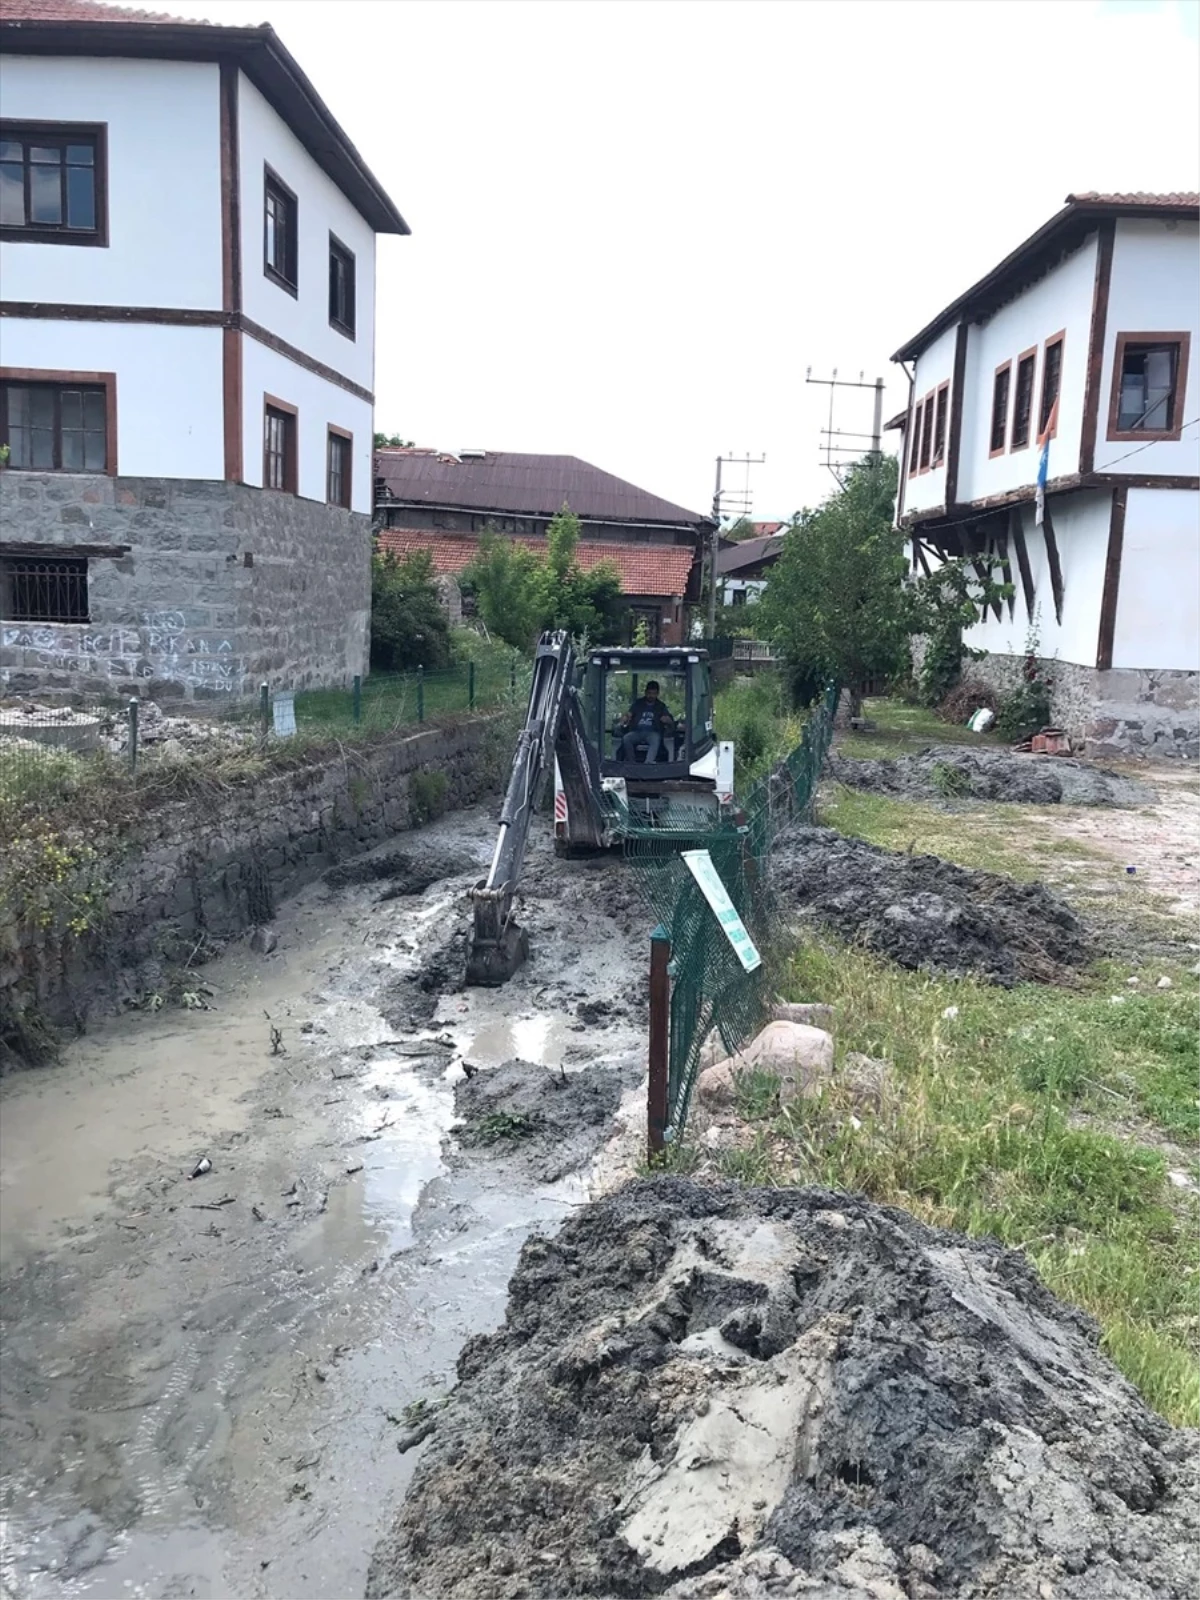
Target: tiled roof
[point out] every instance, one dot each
(766, 530)
(77, 11)
(652, 569)
(1066, 231)
(519, 485)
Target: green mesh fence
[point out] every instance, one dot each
(710, 989)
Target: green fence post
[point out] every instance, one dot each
(470, 686)
(657, 1098)
(133, 733)
(512, 677)
(264, 710)
(421, 694)
(357, 697)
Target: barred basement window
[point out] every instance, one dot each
(44, 589)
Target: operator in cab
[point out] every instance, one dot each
(647, 721)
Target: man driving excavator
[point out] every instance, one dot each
(648, 721)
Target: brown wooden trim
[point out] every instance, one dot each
(995, 450)
(927, 430)
(78, 552)
(1064, 485)
(291, 463)
(1095, 366)
(941, 404)
(1144, 480)
(288, 285)
(98, 237)
(1056, 577)
(957, 386)
(317, 368)
(333, 431)
(93, 380)
(1016, 527)
(276, 404)
(914, 447)
(919, 556)
(231, 208)
(1147, 435)
(232, 404)
(1042, 432)
(1112, 580)
(1013, 447)
(1006, 569)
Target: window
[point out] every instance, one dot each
(1000, 385)
(54, 427)
(914, 448)
(44, 589)
(1023, 399)
(337, 468)
(279, 447)
(1149, 383)
(1051, 378)
(52, 183)
(279, 233)
(941, 406)
(341, 287)
(927, 432)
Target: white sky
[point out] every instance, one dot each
(637, 222)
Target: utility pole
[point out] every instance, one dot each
(743, 500)
(830, 434)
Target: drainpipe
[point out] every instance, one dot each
(907, 446)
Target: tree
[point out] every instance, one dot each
(521, 593)
(394, 439)
(409, 625)
(743, 528)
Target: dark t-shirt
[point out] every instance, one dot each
(649, 715)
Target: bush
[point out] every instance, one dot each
(409, 625)
(1024, 711)
(964, 700)
(427, 795)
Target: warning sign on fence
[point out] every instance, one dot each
(700, 865)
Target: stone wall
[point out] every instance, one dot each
(1120, 712)
(212, 589)
(197, 872)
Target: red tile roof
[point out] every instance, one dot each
(78, 11)
(651, 569)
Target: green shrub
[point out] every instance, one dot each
(1024, 710)
(427, 795)
(409, 625)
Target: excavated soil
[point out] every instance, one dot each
(545, 1119)
(747, 1392)
(926, 913)
(952, 772)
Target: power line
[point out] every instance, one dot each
(1141, 447)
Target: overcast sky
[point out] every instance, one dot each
(637, 222)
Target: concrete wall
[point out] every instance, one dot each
(222, 587)
(164, 185)
(217, 864)
(1158, 602)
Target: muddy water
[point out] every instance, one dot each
(204, 1381)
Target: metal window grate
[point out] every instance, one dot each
(50, 589)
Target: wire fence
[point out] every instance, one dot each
(46, 751)
(711, 989)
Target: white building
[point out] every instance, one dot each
(187, 265)
(1088, 333)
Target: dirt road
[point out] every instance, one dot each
(204, 1381)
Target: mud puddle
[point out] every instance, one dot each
(204, 1382)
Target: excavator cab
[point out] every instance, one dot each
(609, 772)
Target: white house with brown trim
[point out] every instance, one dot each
(187, 273)
(1087, 336)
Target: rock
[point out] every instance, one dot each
(264, 940)
(1133, 982)
(1164, 983)
(716, 1085)
(812, 1012)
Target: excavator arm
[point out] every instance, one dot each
(553, 728)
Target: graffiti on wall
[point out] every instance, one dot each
(162, 646)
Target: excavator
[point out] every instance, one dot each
(607, 777)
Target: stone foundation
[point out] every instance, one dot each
(196, 590)
(1122, 712)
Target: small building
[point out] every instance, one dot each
(743, 566)
(187, 264)
(1081, 346)
(444, 501)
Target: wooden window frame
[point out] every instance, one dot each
(927, 430)
(347, 438)
(1015, 385)
(1044, 416)
(69, 380)
(941, 417)
(272, 180)
(291, 462)
(66, 133)
(1167, 435)
(914, 449)
(348, 330)
(994, 449)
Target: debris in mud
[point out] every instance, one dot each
(550, 1122)
(723, 1392)
(926, 913)
(406, 873)
(954, 772)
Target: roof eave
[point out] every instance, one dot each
(264, 58)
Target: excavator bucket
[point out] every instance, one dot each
(495, 948)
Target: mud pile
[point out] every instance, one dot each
(951, 772)
(403, 872)
(747, 1392)
(545, 1119)
(926, 913)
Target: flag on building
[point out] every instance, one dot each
(1043, 472)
